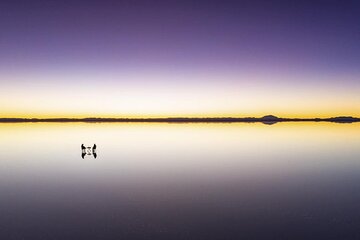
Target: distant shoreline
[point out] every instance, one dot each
(269, 119)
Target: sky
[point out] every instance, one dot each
(179, 58)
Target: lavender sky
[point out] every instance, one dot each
(179, 58)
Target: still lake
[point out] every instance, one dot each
(180, 181)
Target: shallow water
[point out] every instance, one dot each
(180, 181)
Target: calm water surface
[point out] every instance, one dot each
(180, 181)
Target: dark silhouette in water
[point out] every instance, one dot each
(94, 151)
(83, 153)
(88, 151)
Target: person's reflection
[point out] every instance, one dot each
(94, 151)
(83, 152)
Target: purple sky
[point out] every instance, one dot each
(320, 35)
(315, 41)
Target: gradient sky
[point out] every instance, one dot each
(179, 58)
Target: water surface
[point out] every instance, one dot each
(180, 181)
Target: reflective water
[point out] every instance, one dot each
(180, 181)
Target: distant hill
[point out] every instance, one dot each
(343, 119)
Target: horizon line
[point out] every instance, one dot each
(265, 119)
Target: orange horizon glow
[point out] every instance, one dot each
(161, 95)
(139, 116)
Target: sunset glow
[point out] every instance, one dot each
(178, 59)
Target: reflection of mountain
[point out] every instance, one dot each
(268, 119)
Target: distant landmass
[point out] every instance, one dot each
(268, 119)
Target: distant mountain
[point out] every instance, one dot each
(343, 119)
(270, 119)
